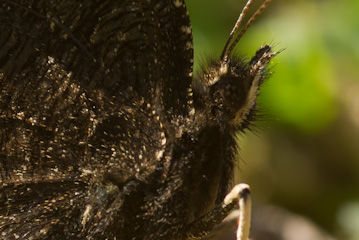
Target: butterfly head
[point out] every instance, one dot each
(233, 86)
(232, 83)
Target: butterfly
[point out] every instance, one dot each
(104, 131)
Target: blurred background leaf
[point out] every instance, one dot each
(305, 154)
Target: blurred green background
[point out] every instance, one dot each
(304, 155)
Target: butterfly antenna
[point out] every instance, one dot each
(226, 50)
(235, 28)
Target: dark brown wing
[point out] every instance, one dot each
(87, 91)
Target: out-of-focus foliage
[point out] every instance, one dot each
(306, 155)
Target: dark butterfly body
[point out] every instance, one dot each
(103, 132)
